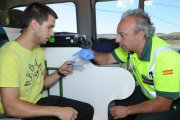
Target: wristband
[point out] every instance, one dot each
(60, 74)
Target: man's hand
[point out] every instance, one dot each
(85, 54)
(67, 113)
(119, 112)
(66, 68)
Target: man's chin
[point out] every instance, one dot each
(43, 43)
(124, 49)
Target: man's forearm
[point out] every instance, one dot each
(103, 58)
(51, 79)
(23, 109)
(150, 106)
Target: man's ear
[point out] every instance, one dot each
(33, 24)
(140, 34)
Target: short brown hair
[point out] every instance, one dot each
(39, 12)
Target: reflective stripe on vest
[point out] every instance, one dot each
(147, 93)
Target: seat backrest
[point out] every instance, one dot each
(104, 45)
(15, 19)
(3, 37)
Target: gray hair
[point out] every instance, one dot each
(143, 21)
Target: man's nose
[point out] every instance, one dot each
(118, 38)
(51, 34)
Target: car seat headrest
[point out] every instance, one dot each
(3, 36)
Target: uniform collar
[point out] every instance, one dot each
(145, 56)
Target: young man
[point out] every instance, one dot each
(155, 65)
(23, 74)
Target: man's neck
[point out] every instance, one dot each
(26, 40)
(140, 48)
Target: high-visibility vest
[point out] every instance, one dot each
(153, 76)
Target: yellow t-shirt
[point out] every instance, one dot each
(23, 69)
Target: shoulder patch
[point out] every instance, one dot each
(167, 72)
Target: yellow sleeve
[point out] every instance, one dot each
(167, 78)
(120, 55)
(9, 76)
